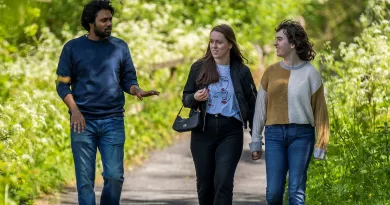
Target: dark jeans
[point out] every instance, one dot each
(288, 148)
(216, 153)
(109, 136)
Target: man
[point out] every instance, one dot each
(98, 68)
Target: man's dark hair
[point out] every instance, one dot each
(297, 35)
(91, 9)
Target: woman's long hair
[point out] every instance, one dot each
(208, 71)
(297, 35)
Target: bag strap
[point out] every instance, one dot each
(180, 110)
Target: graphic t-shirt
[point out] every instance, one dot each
(222, 99)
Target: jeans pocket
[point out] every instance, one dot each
(273, 132)
(307, 132)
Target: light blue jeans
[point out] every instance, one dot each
(109, 136)
(288, 148)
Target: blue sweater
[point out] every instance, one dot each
(100, 72)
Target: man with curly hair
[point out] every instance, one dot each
(94, 71)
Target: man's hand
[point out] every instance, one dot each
(257, 155)
(137, 91)
(141, 94)
(77, 121)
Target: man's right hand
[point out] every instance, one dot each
(77, 122)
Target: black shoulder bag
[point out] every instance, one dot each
(187, 124)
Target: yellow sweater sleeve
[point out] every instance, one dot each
(321, 118)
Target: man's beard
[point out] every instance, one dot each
(102, 34)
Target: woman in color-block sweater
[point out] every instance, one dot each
(291, 107)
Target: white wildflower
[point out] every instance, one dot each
(26, 96)
(58, 127)
(9, 109)
(17, 128)
(34, 123)
(363, 19)
(52, 108)
(45, 102)
(6, 118)
(377, 31)
(353, 46)
(25, 108)
(361, 51)
(28, 158)
(42, 109)
(3, 132)
(44, 141)
(132, 132)
(364, 61)
(42, 120)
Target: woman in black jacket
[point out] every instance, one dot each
(222, 88)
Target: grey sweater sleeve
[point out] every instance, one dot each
(259, 120)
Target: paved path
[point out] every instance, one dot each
(168, 178)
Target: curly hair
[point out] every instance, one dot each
(297, 35)
(91, 9)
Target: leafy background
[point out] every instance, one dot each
(165, 37)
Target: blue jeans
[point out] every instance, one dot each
(109, 136)
(288, 148)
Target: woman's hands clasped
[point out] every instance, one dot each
(201, 95)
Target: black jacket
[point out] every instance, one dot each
(244, 89)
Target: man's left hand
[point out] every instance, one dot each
(141, 93)
(137, 91)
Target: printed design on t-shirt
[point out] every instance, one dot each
(221, 95)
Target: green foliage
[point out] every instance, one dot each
(254, 20)
(21, 22)
(33, 127)
(334, 20)
(357, 169)
(35, 155)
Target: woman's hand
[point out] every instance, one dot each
(202, 95)
(257, 155)
(319, 153)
